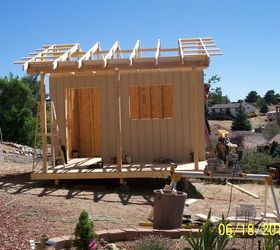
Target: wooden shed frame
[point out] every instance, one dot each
(191, 55)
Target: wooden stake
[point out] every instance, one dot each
(243, 190)
(118, 120)
(194, 118)
(43, 121)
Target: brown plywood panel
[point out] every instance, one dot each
(168, 101)
(156, 101)
(144, 102)
(133, 102)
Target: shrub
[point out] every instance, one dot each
(274, 145)
(84, 232)
(241, 121)
(270, 130)
(255, 162)
(209, 237)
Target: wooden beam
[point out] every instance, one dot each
(157, 55)
(181, 53)
(43, 121)
(135, 52)
(244, 191)
(26, 64)
(88, 54)
(194, 117)
(66, 55)
(118, 120)
(111, 52)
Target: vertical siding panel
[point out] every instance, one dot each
(110, 83)
(141, 127)
(148, 125)
(125, 115)
(163, 125)
(201, 116)
(133, 130)
(170, 122)
(104, 119)
(185, 102)
(156, 138)
(179, 154)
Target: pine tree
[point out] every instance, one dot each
(84, 232)
(241, 121)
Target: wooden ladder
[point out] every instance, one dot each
(53, 133)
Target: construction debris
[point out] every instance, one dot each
(244, 191)
(213, 219)
(190, 201)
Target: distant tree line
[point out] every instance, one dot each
(262, 102)
(18, 107)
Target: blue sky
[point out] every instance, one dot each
(248, 32)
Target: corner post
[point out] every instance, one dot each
(43, 120)
(194, 116)
(118, 120)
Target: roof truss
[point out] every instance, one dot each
(52, 58)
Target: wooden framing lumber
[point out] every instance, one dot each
(43, 121)
(111, 52)
(135, 52)
(66, 55)
(96, 47)
(118, 120)
(25, 66)
(244, 191)
(157, 55)
(194, 117)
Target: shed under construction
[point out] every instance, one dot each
(121, 113)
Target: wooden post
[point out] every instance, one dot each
(194, 116)
(265, 196)
(118, 120)
(43, 121)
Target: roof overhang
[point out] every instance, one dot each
(70, 58)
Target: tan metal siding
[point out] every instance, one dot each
(148, 139)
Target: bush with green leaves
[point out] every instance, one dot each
(241, 121)
(271, 242)
(271, 129)
(255, 162)
(209, 237)
(18, 106)
(84, 232)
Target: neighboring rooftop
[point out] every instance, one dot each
(230, 105)
(71, 58)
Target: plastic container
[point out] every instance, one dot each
(168, 209)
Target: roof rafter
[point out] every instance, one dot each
(157, 51)
(96, 47)
(67, 54)
(112, 51)
(25, 65)
(134, 52)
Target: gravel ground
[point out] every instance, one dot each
(30, 209)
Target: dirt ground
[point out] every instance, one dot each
(255, 121)
(30, 209)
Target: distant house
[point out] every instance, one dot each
(229, 110)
